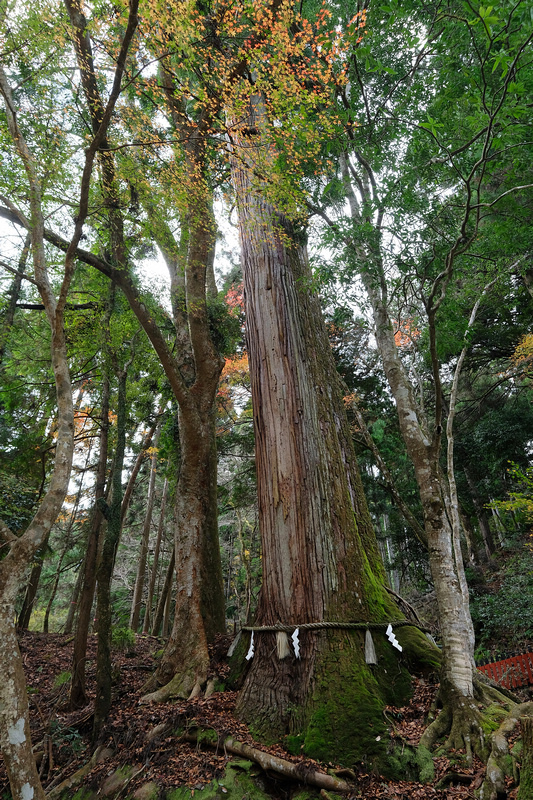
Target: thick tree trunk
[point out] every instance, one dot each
(320, 556)
(14, 717)
(194, 379)
(199, 613)
(200, 608)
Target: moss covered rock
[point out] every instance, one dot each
(240, 780)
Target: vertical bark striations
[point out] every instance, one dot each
(320, 558)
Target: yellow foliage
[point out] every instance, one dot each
(522, 357)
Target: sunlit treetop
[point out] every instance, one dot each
(221, 60)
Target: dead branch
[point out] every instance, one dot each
(296, 772)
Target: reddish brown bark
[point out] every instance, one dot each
(320, 558)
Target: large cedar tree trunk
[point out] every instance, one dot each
(320, 557)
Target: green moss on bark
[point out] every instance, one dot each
(420, 655)
(345, 717)
(238, 666)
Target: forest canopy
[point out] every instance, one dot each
(265, 365)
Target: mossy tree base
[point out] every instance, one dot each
(185, 662)
(468, 722)
(500, 762)
(526, 773)
(342, 718)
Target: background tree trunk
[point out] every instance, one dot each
(106, 566)
(145, 539)
(78, 696)
(155, 565)
(164, 599)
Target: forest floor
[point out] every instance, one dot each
(62, 738)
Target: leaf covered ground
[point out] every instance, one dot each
(142, 737)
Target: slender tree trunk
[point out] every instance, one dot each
(46, 620)
(78, 695)
(155, 563)
(454, 514)
(165, 628)
(33, 583)
(454, 614)
(145, 538)
(31, 589)
(69, 624)
(483, 522)
(14, 723)
(163, 601)
(14, 718)
(106, 567)
(147, 443)
(423, 449)
(14, 294)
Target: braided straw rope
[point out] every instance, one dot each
(314, 626)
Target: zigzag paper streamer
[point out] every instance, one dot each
(296, 643)
(250, 653)
(392, 638)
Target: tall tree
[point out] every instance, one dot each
(193, 377)
(417, 155)
(320, 557)
(14, 721)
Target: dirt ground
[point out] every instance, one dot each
(62, 738)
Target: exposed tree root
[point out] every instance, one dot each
(298, 772)
(438, 728)
(100, 754)
(498, 763)
(488, 691)
(463, 721)
(184, 685)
